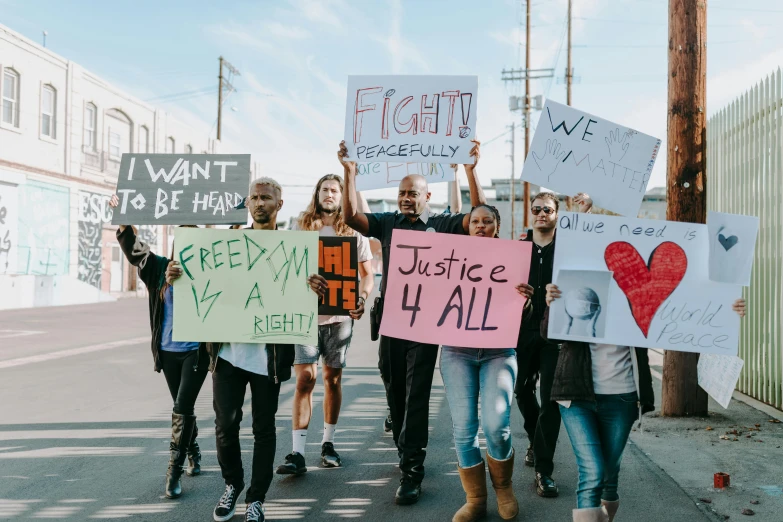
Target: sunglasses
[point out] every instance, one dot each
(537, 210)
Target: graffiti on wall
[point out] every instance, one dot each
(149, 234)
(94, 211)
(43, 217)
(8, 228)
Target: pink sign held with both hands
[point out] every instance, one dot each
(455, 290)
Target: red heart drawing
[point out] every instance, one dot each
(646, 285)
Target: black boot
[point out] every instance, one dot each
(181, 432)
(194, 455)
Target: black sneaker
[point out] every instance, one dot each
(387, 424)
(255, 512)
(294, 465)
(226, 505)
(329, 457)
(530, 459)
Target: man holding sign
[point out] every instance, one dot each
(407, 367)
(236, 365)
(324, 214)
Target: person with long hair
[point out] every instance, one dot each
(184, 364)
(601, 390)
(474, 376)
(324, 214)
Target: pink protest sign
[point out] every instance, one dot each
(455, 290)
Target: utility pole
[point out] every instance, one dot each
(686, 183)
(223, 82)
(512, 180)
(526, 189)
(569, 79)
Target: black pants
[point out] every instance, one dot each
(542, 423)
(229, 384)
(406, 369)
(184, 378)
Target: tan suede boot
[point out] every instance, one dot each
(591, 515)
(500, 471)
(474, 482)
(611, 507)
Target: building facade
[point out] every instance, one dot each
(63, 131)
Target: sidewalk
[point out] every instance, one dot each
(742, 441)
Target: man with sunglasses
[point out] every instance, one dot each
(535, 356)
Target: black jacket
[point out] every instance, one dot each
(574, 373)
(152, 272)
(541, 264)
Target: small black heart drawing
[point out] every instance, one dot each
(727, 242)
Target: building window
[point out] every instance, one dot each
(90, 124)
(115, 144)
(48, 112)
(169, 145)
(188, 149)
(144, 139)
(11, 97)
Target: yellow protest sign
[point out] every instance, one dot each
(245, 286)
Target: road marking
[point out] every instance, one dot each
(7, 334)
(73, 351)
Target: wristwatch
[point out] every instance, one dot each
(362, 300)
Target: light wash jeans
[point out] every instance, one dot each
(467, 374)
(599, 432)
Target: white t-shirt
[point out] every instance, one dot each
(363, 254)
(250, 357)
(612, 369)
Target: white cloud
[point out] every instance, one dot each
(321, 11)
(290, 32)
(727, 85)
(400, 50)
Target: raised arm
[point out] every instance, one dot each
(353, 218)
(477, 196)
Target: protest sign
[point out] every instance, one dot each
(573, 151)
(338, 264)
(385, 175)
(455, 290)
(580, 314)
(718, 376)
(732, 244)
(660, 295)
(411, 118)
(245, 286)
(182, 189)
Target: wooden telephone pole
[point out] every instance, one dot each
(569, 78)
(526, 189)
(224, 83)
(686, 183)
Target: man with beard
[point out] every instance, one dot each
(234, 366)
(536, 356)
(407, 366)
(325, 214)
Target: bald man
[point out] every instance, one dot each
(407, 366)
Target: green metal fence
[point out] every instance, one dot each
(745, 176)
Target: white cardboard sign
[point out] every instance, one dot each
(660, 295)
(718, 376)
(411, 118)
(732, 244)
(573, 151)
(371, 176)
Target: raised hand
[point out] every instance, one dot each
(617, 144)
(550, 158)
(552, 293)
(114, 202)
(739, 307)
(475, 152)
(342, 155)
(525, 290)
(173, 272)
(583, 202)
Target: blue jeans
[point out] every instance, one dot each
(467, 374)
(599, 432)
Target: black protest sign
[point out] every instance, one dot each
(338, 264)
(182, 189)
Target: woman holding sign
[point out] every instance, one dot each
(470, 375)
(602, 389)
(184, 364)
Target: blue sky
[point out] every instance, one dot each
(295, 55)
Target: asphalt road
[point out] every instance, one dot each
(84, 430)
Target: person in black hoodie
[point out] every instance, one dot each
(535, 356)
(184, 364)
(235, 366)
